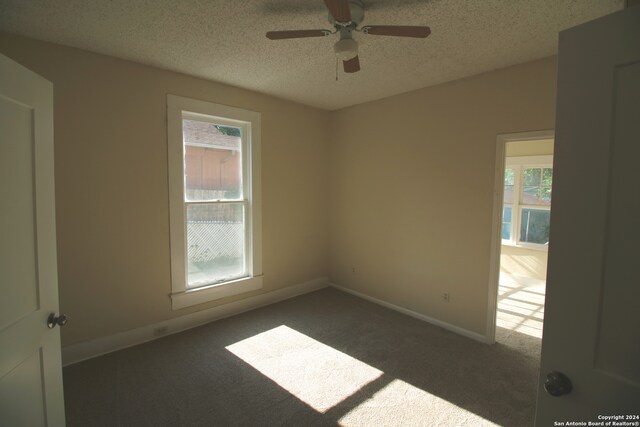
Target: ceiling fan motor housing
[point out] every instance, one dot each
(346, 49)
(356, 7)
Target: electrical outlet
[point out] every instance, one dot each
(162, 330)
(446, 297)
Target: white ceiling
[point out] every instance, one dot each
(224, 40)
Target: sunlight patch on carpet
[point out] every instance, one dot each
(400, 403)
(315, 373)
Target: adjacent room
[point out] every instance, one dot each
(279, 212)
(525, 230)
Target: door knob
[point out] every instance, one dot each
(557, 384)
(54, 320)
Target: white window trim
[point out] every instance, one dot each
(518, 163)
(181, 296)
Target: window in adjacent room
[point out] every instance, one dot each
(527, 201)
(214, 190)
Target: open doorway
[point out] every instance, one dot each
(522, 205)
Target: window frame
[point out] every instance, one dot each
(250, 122)
(518, 164)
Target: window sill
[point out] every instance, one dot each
(213, 292)
(532, 246)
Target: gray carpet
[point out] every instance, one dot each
(324, 358)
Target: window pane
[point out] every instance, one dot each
(215, 243)
(508, 194)
(506, 231)
(212, 161)
(509, 176)
(536, 189)
(534, 226)
(509, 179)
(506, 214)
(531, 176)
(506, 222)
(547, 176)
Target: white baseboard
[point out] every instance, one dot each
(89, 349)
(444, 325)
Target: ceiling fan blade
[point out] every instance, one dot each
(397, 30)
(296, 34)
(339, 9)
(352, 65)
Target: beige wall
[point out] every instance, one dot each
(519, 261)
(539, 147)
(411, 188)
(111, 185)
(523, 262)
(406, 181)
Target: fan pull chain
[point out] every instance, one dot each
(336, 68)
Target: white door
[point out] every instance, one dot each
(592, 317)
(30, 361)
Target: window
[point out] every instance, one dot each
(214, 200)
(527, 201)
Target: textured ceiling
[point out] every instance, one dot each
(224, 40)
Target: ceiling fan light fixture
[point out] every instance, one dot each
(346, 49)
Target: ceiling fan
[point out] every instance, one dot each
(346, 16)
